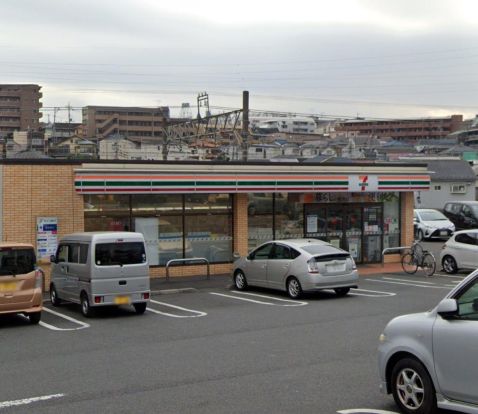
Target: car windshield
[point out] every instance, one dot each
(109, 254)
(16, 261)
(475, 210)
(432, 215)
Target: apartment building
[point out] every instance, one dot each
(129, 122)
(19, 108)
(403, 129)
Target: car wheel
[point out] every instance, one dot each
(85, 306)
(140, 308)
(412, 387)
(34, 317)
(449, 264)
(294, 289)
(55, 300)
(341, 291)
(240, 280)
(420, 235)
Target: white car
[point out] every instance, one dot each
(460, 251)
(428, 360)
(431, 224)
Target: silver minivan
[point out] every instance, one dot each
(99, 269)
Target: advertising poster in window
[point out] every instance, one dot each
(47, 237)
(312, 221)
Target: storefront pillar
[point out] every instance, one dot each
(407, 204)
(240, 224)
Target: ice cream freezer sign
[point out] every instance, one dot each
(47, 236)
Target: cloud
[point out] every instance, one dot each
(365, 59)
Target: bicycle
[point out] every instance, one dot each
(417, 257)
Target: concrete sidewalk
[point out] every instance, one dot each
(224, 281)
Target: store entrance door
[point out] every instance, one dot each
(356, 228)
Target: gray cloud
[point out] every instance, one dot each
(107, 52)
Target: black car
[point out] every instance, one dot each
(463, 214)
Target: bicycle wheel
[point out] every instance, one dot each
(409, 264)
(428, 264)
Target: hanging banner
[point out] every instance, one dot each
(47, 237)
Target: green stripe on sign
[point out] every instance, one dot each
(403, 182)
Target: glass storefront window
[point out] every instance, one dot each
(159, 218)
(391, 220)
(107, 212)
(259, 210)
(289, 216)
(208, 227)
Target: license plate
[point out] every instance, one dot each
(443, 233)
(8, 286)
(122, 300)
(335, 268)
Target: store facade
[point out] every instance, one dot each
(211, 210)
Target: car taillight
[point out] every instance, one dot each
(38, 278)
(98, 299)
(313, 267)
(146, 295)
(354, 265)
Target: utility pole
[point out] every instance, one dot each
(245, 124)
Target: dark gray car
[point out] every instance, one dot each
(296, 266)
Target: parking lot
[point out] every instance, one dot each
(212, 350)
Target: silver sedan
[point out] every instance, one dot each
(428, 360)
(296, 266)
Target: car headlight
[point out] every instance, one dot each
(382, 338)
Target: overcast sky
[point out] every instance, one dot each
(372, 58)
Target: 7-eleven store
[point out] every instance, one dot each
(211, 210)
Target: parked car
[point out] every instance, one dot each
(460, 251)
(21, 283)
(463, 214)
(431, 224)
(101, 268)
(296, 266)
(428, 360)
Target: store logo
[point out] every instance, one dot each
(363, 182)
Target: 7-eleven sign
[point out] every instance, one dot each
(363, 183)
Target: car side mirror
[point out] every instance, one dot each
(52, 258)
(250, 257)
(447, 308)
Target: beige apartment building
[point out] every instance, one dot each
(413, 129)
(19, 108)
(129, 122)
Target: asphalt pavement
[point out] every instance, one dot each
(206, 348)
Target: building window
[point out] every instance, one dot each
(260, 218)
(458, 189)
(107, 212)
(437, 187)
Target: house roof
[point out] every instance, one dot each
(450, 170)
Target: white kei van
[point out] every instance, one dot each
(99, 269)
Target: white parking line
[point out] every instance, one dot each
(296, 303)
(410, 284)
(366, 411)
(358, 292)
(291, 302)
(83, 325)
(25, 401)
(198, 314)
(407, 280)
